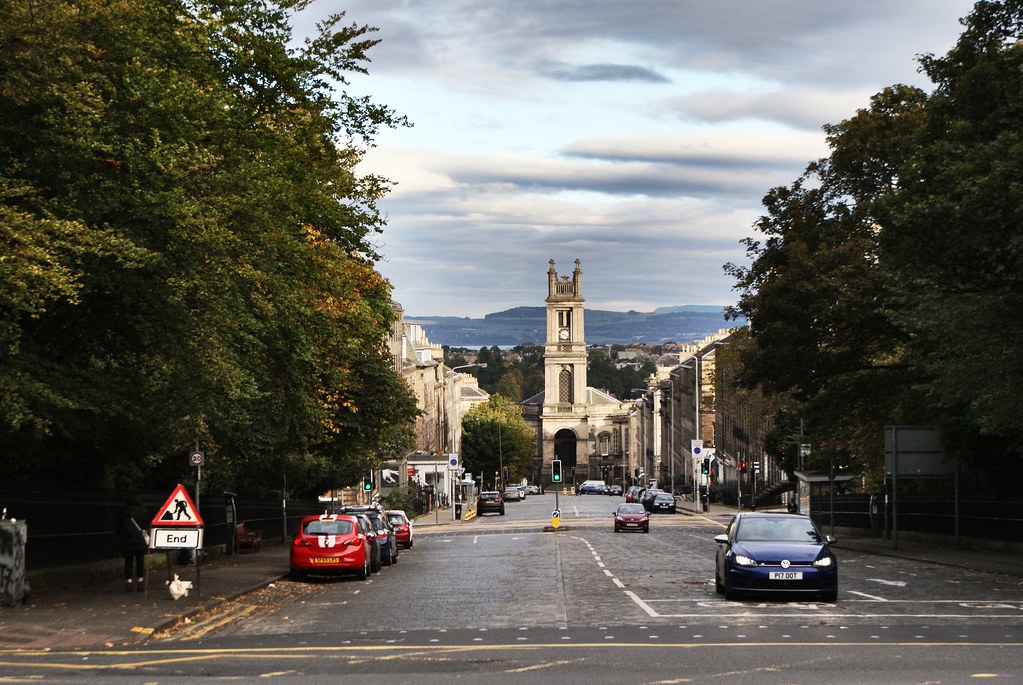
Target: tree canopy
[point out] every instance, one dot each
(884, 288)
(494, 435)
(188, 247)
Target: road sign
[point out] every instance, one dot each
(556, 518)
(696, 446)
(178, 510)
(176, 538)
(196, 458)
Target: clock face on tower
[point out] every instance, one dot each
(563, 334)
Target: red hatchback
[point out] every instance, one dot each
(403, 533)
(330, 544)
(632, 516)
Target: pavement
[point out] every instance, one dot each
(83, 611)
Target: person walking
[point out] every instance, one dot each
(132, 525)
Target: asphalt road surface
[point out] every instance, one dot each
(501, 600)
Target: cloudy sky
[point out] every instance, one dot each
(638, 136)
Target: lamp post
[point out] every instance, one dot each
(454, 421)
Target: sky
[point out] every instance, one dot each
(638, 136)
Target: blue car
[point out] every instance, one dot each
(775, 553)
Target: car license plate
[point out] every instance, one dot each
(786, 575)
(324, 560)
(632, 525)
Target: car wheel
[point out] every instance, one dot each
(647, 529)
(363, 573)
(502, 512)
(375, 565)
(830, 596)
(718, 587)
(298, 576)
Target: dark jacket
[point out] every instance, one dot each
(128, 533)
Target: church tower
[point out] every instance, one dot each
(576, 424)
(565, 350)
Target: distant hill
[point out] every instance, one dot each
(522, 325)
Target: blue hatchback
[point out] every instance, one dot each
(775, 553)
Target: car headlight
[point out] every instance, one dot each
(823, 561)
(742, 560)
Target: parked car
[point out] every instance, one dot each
(382, 528)
(533, 490)
(664, 502)
(490, 502)
(592, 487)
(632, 516)
(402, 525)
(370, 531)
(512, 495)
(614, 490)
(330, 544)
(632, 494)
(764, 552)
(386, 538)
(647, 500)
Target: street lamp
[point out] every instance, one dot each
(454, 421)
(453, 412)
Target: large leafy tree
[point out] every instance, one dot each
(191, 244)
(875, 297)
(494, 434)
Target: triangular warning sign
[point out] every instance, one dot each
(179, 510)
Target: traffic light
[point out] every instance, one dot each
(743, 466)
(506, 474)
(367, 484)
(705, 467)
(556, 470)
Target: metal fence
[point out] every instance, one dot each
(75, 528)
(982, 519)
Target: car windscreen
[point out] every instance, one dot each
(778, 530)
(396, 520)
(337, 527)
(631, 509)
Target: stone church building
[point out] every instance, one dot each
(587, 429)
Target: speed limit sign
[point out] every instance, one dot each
(196, 458)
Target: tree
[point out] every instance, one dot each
(494, 434)
(192, 244)
(873, 299)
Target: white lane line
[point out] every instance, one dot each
(641, 604)
(864, 594)
(883, 581)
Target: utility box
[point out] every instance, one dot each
(13, 536)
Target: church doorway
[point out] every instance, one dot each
(564, 449)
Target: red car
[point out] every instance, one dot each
(631, 516)
(330, 544)
(403, 532)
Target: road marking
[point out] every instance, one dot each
(864, 594)
(896, 583)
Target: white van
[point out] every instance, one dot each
(592, 487)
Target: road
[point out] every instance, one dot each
(501, 600)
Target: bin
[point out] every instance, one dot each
(13, 536)
(458, 511)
